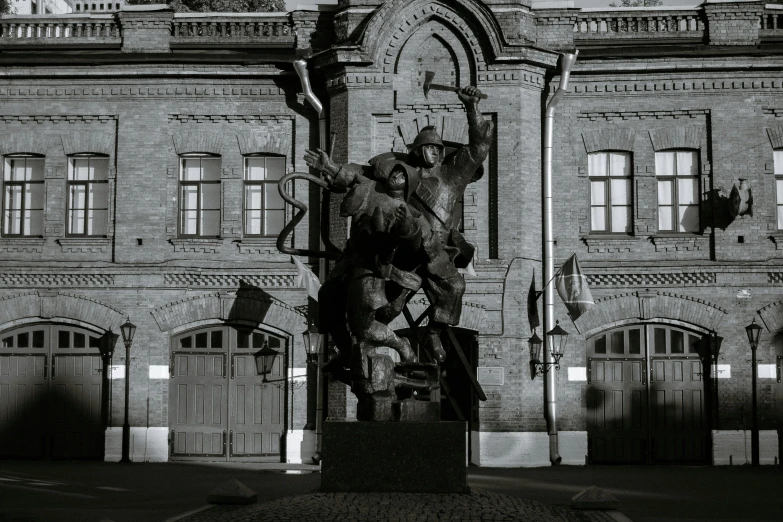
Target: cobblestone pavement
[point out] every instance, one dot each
(479, 505)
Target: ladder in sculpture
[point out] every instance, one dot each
(456, 349)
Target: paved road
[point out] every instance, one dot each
(96, 491)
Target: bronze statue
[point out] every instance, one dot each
(403, 236)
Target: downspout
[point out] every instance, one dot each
(301, 69)
(550, 397)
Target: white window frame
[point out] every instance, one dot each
(268, 188)
(607, 198)
(90, 206)
(674, 192)
(200, 186)
(26, 204)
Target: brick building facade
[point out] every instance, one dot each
(140, 156)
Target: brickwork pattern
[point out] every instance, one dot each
(188, 280)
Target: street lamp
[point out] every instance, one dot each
(557, 340)
(265, 359)
(754, 332)
(312, 343)
(128, 330)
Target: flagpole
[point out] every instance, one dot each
(550, 398)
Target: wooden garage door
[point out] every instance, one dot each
(646, 397)
(219, 407)
(51, 393)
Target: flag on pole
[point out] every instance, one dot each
(571, 284)
(307, 279)
(532, 305)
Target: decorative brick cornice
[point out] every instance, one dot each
(67, 118)
(230, 118)
(39, 280)
(232, 281)
(647, 279)
(641, 115)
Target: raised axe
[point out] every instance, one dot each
(428, 85)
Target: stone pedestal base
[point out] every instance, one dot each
(409, 457)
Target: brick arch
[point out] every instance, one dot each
(473, 315)
(650, 305)
(23, 143)
(775, 135)
(259, 309)
(265, 143)
(396, 20)
(49, 305)
(84, 142)
(199, 141)
(609, 139)
(686, 137)
(772, 317)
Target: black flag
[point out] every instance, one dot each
(532, 306)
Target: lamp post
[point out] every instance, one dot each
(754, 332)
(128, 330)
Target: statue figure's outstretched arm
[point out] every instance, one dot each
(480, 134)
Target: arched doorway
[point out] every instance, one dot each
(646, 396)
(219, 408)
(52, 393)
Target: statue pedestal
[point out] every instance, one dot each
(407, 457)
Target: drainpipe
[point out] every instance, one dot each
(301, 70)
(550, 398)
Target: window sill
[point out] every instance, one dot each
(777, 238)
(259, 245)
(609, 243)
(680, 242)
(22, 245)
(202, 245)
(84, 245)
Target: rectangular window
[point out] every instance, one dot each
(264, 207)
(23, 196)
(610, 192)
(88, 195)
(779, 187)
(678, 191)
(199, 197)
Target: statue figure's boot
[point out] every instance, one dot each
(432, 342)
(405, 351)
